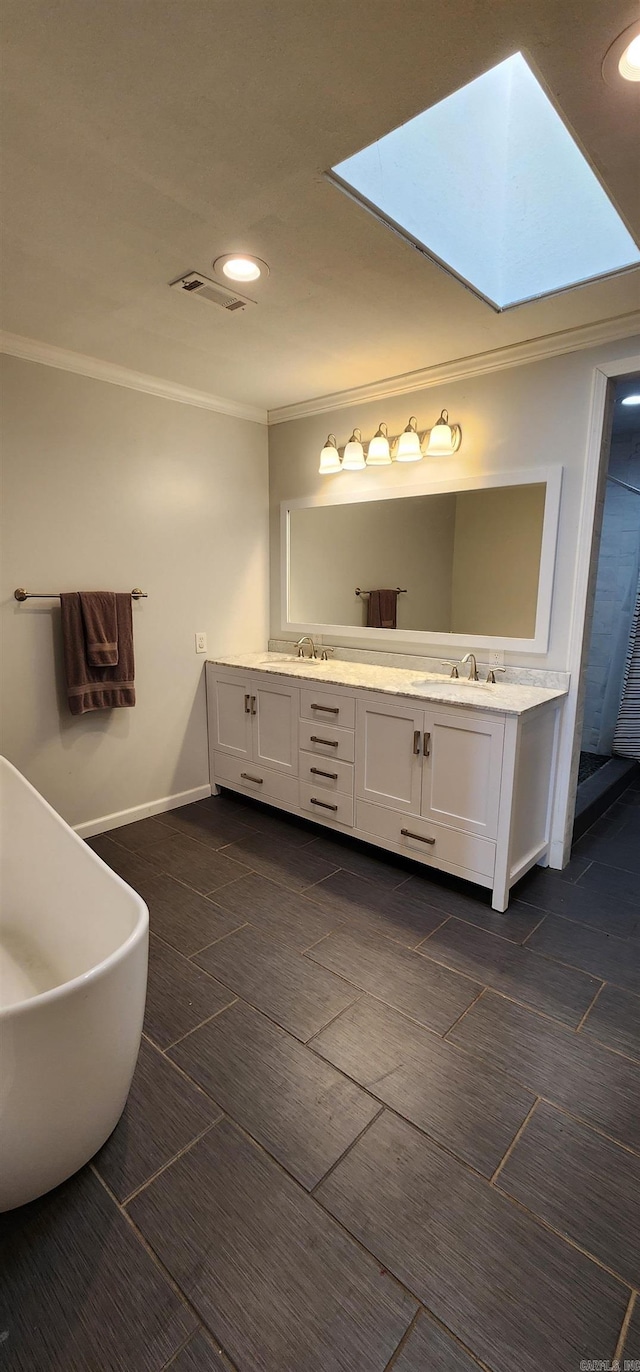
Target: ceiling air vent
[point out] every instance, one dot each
(196, 284)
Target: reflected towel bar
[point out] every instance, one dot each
(399, 590)
(21, 594)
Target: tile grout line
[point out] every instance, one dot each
(143, 1185)
(624, 1328)
(475, 1000)
(515, 946)
(151, 1253)
(317, 1032)
(198, 951)
(566, 1238)
(588, 1124)
(403, 1341)
(419, 1315)
(514, 1141)
(590, 1007)
(325, 1176)
(201, 1025)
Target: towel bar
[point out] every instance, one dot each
(399, 589)
(21, 594)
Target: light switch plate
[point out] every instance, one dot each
(201, 643)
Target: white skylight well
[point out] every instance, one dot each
(491, 184)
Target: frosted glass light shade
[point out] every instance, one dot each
(378, 452)
(444, 438)
(409, 449)
(353, 460)
(330, 457)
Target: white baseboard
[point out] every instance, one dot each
(152, 807)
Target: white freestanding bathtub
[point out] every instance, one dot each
(73, 973)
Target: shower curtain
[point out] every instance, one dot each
(626, 738)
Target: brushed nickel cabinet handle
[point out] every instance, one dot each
(328, 709)
(253, 705)
(328, 742)
(248, 777)
(426, 747)
(324, 803)
(317, 772)
(247, 707)
(416, 742)
(409, 834)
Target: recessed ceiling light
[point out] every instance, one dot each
(631, 400)
(240, 267)
(623, 57)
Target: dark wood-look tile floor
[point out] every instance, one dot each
(374, 1126)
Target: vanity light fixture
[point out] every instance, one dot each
(623, 57)
(353, 460)
(330, 457)
(379, 452)
(240, 267)
(444, 438)
(409, 448)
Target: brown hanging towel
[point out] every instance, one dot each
(90, 687)
(100, 627)
(382, 610)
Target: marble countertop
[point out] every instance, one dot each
(505, 698)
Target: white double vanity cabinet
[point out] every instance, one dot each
(455, 775)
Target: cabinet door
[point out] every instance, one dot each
(275, 727)
(230, 719)
(389, 755)
(462, 770)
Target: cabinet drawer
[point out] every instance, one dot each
(326, 741)
(450, 848)
(256, 780)
(327, 773)
(327, 708)
(323, 807)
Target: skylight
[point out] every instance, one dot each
(491, 184)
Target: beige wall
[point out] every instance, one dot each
(407, 543)
(109, 487)
(496, 530)
(521, 417)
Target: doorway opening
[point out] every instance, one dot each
(610, 741)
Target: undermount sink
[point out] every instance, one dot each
(275, 659)
(451, 683)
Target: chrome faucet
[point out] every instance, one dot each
(300, 645)
(473, 666)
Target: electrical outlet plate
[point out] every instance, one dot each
(496, 657)
(201, 643)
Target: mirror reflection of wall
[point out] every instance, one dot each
(470, 561)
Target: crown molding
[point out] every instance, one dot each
(583, 336)
(31, 350)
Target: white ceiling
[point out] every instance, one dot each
(144, 138)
